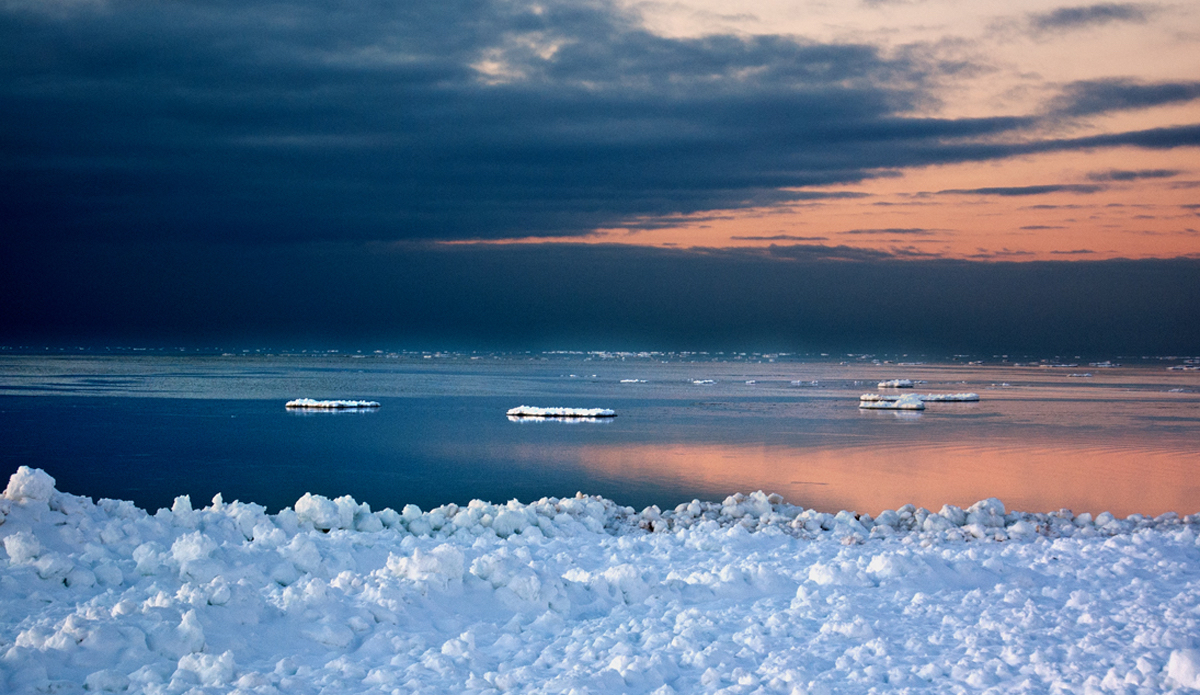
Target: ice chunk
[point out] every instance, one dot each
(532, 411)
(896, 384)
(22, 547)
(910, 402)
(29, 484)
(329, 405)
(927, 397)
(1184, 667)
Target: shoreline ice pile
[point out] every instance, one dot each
(748, 595)
(531, 411)
(307, 403)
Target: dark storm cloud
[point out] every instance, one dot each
(299, 120)
(1065, 18)
(1128, 175)
(1089, 97)
(914, 231)
(779, 237)
(598, 297)
(1013, 191)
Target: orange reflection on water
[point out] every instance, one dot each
(1027, 476)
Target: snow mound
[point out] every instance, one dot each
(748, 594)
(531, 411)
(329, 405)
(909, 402)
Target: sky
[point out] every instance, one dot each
(934, 173)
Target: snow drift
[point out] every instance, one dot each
(580, 594)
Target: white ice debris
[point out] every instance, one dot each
(633, 381)
(896, 384)
(329, 405)
(909, 402)
(531, 411)
(926, 397)
(747, 595)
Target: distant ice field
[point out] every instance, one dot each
(149, 428)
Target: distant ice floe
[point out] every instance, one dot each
(703, 382)
(329, 405)
(896, 384)
(926, 397)
(748, 594)
(531, 411)
(910, 402)
(633, 381)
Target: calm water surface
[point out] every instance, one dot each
(149, 428)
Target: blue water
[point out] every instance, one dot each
(151, 428)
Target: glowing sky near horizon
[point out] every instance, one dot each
(1017, 58)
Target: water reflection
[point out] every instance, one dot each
(1127, 479)
(543, 418)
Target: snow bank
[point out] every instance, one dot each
(583, 595)
(329, 405)
(909, 402)
(926, 397)
(531, 411)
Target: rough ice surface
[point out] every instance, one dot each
(531, 411)
(580, 594)
(909, 402)
(329, 405)
(927, 397)
(896, 384)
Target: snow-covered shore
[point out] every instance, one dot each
(583, 595)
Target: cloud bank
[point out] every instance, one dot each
(299, 121)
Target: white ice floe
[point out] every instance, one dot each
(329, 405)
(896, 384)
(703, 382)
(580, 594)
(926, 397)
(531, 411)
(909, 402)
(633, 381)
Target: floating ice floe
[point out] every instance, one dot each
(896, 384)
(329, 405)
(910, 402)
(633, 381)
(926, 397)
(531, 411)
(748, 594)
(703, 382)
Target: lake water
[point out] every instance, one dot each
(148, 428)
